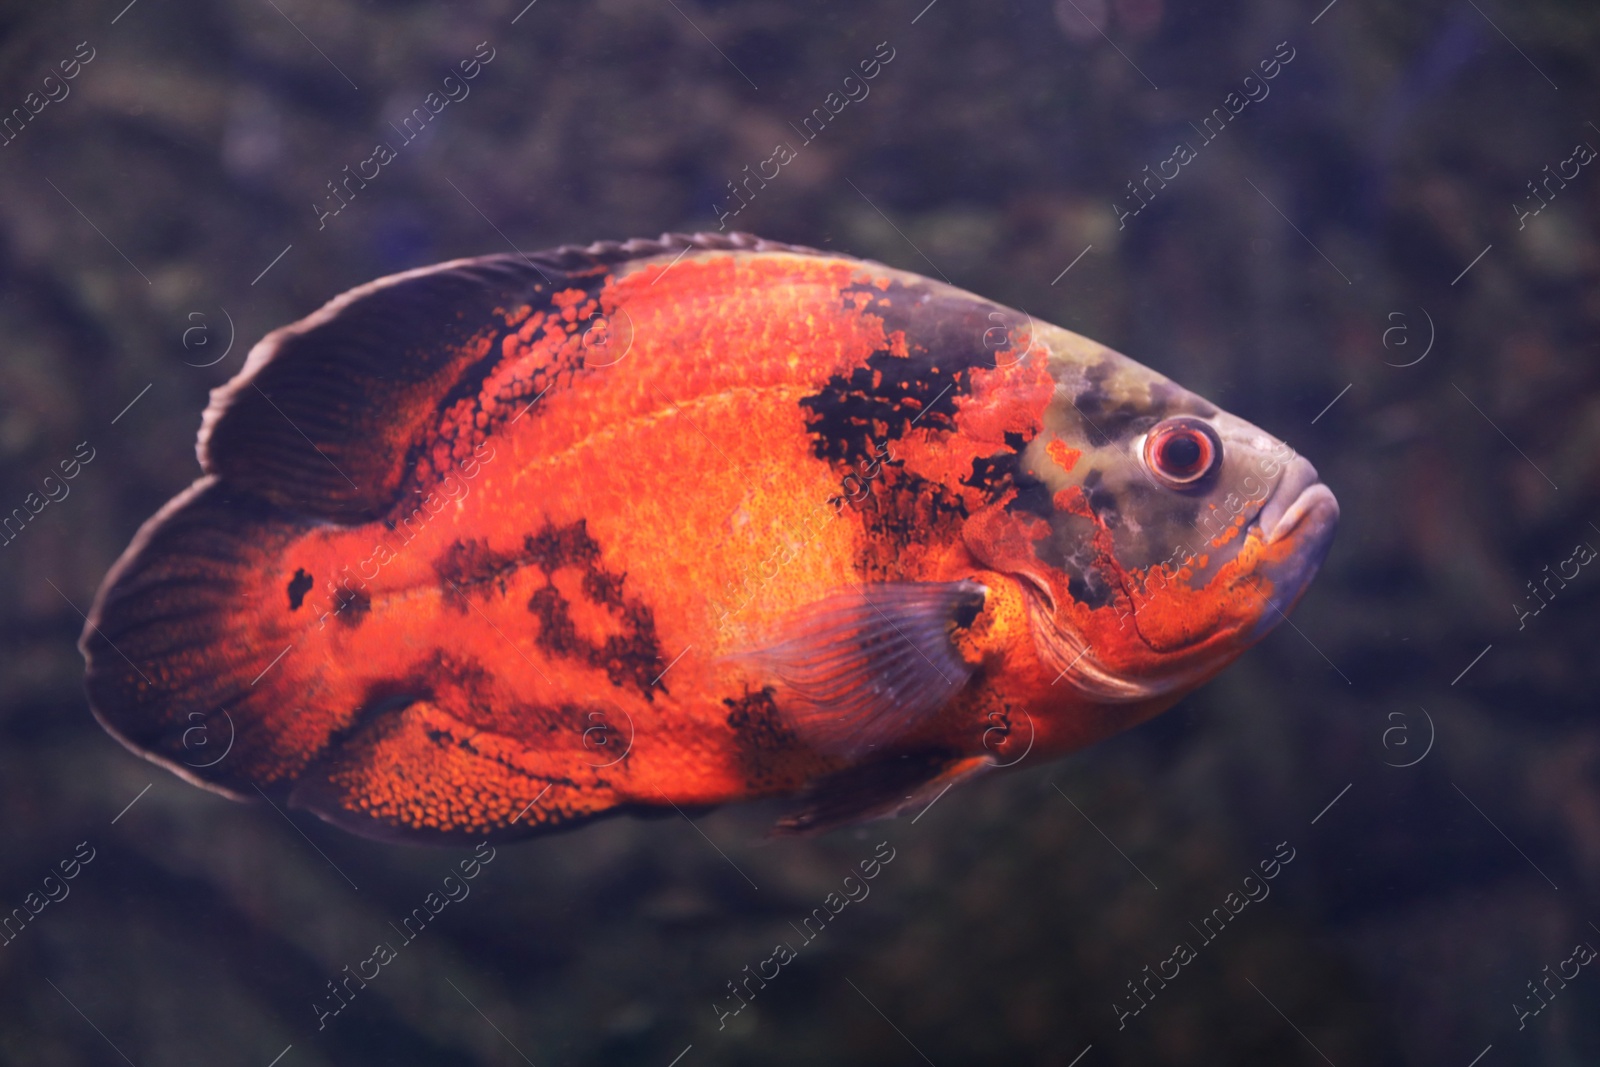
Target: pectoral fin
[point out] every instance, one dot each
(864, 667)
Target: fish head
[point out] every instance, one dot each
(1155, 537)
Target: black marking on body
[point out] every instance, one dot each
(1071, 546)
(354, 604)
(557, 719)
(566, 546)
(631, 657)
(1107, 420)
(465, 690)
(439, 678)
(299, 586)
(965, 614)
(1104, 420)
(764, 740)
(912, 510)
(603, 587)
(468, 563)
(1088, 586)
(460, 409)
(880, 400)
(755, 717)
(1102, 501)
(1002, 471)
(382, 700)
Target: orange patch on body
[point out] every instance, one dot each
(1010, 400)
(1177, 625)
(1074, 501)
(592, 622)
(1065, 458)
(1229, 533)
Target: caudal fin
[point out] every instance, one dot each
(177, 665)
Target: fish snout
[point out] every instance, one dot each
(1297, 524)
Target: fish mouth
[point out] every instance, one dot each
(1299, 495)
(1303, 513)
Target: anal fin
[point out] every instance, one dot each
(879, 790)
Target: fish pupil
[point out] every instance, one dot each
(1181, 453)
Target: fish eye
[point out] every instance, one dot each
(1181, 451)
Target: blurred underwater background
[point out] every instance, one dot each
(1387, 258)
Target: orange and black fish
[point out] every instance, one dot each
(504, 544)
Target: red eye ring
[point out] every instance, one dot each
(1181, 451)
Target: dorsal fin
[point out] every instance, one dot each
(323, 419)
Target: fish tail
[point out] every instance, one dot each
(196, 664)
(179, 670)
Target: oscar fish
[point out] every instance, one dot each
(501, 545)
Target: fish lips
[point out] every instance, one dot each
(1304, 513)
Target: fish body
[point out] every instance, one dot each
(503, 544)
